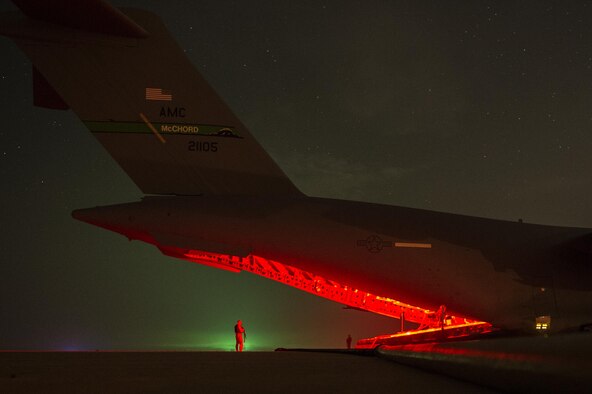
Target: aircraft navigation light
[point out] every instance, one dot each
(542, 323)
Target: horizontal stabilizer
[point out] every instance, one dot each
(95, 16)
(44, 95)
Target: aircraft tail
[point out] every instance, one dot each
(126, 78)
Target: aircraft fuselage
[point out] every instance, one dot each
(506, 273)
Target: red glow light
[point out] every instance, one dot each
(315, 284)
(434, 334)
(432, 323)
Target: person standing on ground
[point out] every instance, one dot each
(348, 341)
(239, 331)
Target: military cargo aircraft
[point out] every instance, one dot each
(214, 196)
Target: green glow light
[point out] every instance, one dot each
(218, 342)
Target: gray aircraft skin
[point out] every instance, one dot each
(211, 187)
(481, 268)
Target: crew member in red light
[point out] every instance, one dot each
(441, 315)
(348, 341)
(239, 331)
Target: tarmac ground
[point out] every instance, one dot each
(215, 372)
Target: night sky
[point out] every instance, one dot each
(475, 107)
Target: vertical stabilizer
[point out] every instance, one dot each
(137, 92)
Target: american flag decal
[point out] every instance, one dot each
(158, 94)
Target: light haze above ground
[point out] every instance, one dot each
(479, 108)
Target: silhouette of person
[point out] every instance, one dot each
(348, 341)
(239, 330)
(441, 316)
